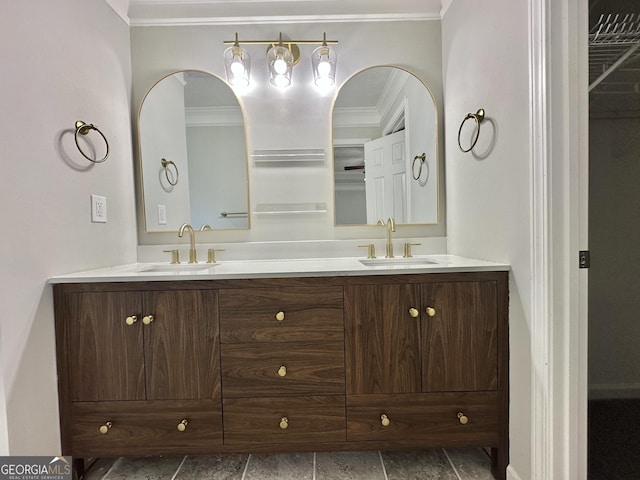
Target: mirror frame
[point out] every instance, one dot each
(437, 149)
(143, 206)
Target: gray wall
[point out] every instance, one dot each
(299, 117)
(614, 280)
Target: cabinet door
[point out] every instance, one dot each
(181, 345)
(460, 339)
(105, 353)
(382, 339)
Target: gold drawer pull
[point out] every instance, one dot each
(182, 426)
(105, 428)
(284, 423)
(414, 312)
(463, 418)
(282, 371)
(430, 311)
(280, 316)
(131, 319)
(384, 420)
(147, 319)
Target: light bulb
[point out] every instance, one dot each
(281, 81)
(324, 67)
(280, 66)
(237, 68)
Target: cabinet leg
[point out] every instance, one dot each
(499, 463)
(78, 468)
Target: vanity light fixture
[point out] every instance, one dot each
(282, 56)
(281, 60)
(237, 64)
(323, 60)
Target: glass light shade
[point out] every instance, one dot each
(237, 65)
(323, 62)
(280, 62)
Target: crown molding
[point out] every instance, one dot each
(213, 117)
(283, 19)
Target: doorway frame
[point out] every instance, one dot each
(558, 58)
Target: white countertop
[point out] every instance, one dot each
(312, 267)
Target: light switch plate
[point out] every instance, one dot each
(98, 209)
(162, 214)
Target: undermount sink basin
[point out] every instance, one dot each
(377, 262)
(176, 267)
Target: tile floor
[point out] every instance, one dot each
(434, 464)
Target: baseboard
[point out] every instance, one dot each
(512, 474)
(608, 391)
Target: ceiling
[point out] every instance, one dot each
(224, 12)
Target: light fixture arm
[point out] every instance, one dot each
(324, 41)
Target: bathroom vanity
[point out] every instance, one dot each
(336, 359)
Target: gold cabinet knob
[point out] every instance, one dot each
(430, 311)
(414, 312)
(105, 428)
(182, 426)
(147, 319)
(280, 316)
(463, 418)
(131, 319)
(384, 420)
(282, 371)
(284, 423)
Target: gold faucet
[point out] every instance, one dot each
(192, 240)
(391, 227)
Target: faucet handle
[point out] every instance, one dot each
(175, 255)
(407, 249)
(371, 250)
(211, 254)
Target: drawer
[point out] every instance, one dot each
(425, 419)
(145, 427)
(281, 314)
(282, 369)
(270, 420)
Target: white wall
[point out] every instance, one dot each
(63, 61)
(485, 61)
(214, 190)
(298, 117)
(163, 135)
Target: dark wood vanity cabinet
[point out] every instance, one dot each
(260, 365)
(423, 337)
(427, 361)
(138, 370)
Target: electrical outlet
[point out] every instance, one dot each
(98, 209)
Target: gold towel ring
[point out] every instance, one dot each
(83, 129)
(165, 164)
(478, 117)
(423, 162)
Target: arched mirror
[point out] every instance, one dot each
(193, 154)
(385, 149)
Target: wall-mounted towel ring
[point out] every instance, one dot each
(478, 117)
(83, 129)
(423, 163)
(165, 164)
